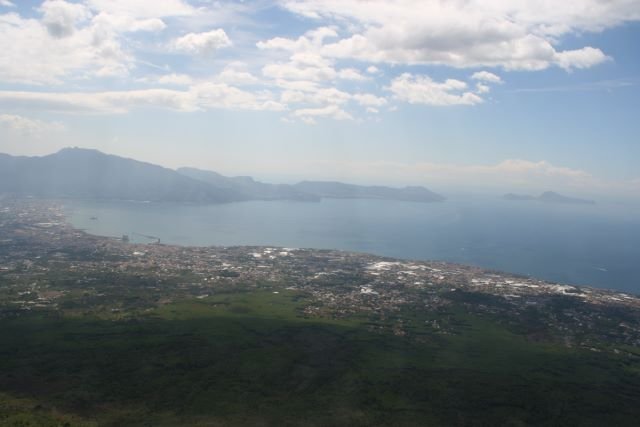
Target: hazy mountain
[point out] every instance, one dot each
(340, 190)
(248, 188)
(81, 173)
(90, 174)
(549, 197)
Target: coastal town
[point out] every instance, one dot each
(47, 265)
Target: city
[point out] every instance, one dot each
(47, 265)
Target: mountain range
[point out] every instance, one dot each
(248, 188)
(91, 174)
(339, 190)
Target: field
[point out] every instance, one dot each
(252, 358)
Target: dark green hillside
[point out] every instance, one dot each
(251, 358)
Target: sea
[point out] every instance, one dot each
(593, 245)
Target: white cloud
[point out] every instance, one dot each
(293, 97)
(319, 96)
(295, 70)
(331, 111)
(305, 62)
(298, 85)
(237, 77)
(482, 88)
(307, 77)
(514, 35)
(302, 66)
(27, 126)
(586, 57)
(232, 74)
(60, 17)
(220, 95)
(369, 100)
(423, 90)
(202, 43)
(201, 96)
(236, 73)
(306, 68)
(175, 79)
(351, 74)
(66, 43)
(73, 43)
(308, 42)
(6, 3)
(98, 102)
(485, 76)
(106, 22)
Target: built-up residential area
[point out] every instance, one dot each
(47, 265)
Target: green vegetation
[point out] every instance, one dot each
(253, 358)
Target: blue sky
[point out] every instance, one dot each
(490, 95)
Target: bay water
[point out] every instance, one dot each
(596, 245)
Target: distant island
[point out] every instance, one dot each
(549, 197)
(90, 174)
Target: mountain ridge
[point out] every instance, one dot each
(248, 187)
(91, 174)
(82, 173)
(340, 190)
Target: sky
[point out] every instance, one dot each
(492, 95)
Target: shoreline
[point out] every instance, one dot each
(453, 265)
